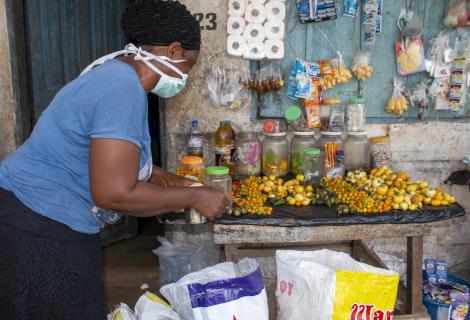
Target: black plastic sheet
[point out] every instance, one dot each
(323, 216)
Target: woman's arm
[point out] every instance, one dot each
(167, 179)
(114, 167)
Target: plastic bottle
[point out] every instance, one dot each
(195, 144)
(225, 147)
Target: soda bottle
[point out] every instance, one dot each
(225, 146)
(195, 144)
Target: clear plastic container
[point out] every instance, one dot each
(336, 123)
(191, 167)
(295, 118)
(331, 144)
(380, 152)
(248, 155)
(275, 154)
(313, 164)
(219, 178)
(300, 142)
(357, 151)
(356, 118)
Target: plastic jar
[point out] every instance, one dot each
(336, 118)
(332, 107)
(275, 154)
(331, 144)
(300, 141)
(380, 152)
(295, 118)
(313, 164)
(248, 155)
(191, 166)
(219, 178)
(357, 151)
(356, 115)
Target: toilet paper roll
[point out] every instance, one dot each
(254, 51)
(254, 32)
(274, 30)
(275, 10)
(255, 13)
(235, 25)
(274, 49)
(237, 8)
(258, 1)
(236, 45)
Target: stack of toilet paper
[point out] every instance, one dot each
(256, 29)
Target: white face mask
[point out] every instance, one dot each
(167, 86)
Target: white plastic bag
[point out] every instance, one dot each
(324, 285)
(122, 312)
(224, 291)
(152, 307)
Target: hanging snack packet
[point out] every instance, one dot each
(361, 66)
(316, 10)
(312, 110)
(458, 90)
(410, 56)
(350, 8)
(398, 103)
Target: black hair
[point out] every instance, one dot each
(159, 23)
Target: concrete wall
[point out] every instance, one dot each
(8, 120)
(427, 151)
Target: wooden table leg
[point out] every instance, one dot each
(356, 249)
(231, 252)
(414, 296)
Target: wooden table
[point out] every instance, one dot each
(233, 238)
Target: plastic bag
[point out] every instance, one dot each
(225, 88)
(410, 56)
(419, 97)
(324, 284)
(224, 291)
(361, 66)
(122, 312)
(439, 56)
(398, 103)
(180, 258)
(458, 14)
(152, 307)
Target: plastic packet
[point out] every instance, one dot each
(225, 88)
(361, 66)
(122, 312)
(268, 78)
(398, 103)
(419, 98)
(410, 56)
(458, 14)
(312, 111)
(350, 8)
(439, 56)
(340, 73)
(316, 11)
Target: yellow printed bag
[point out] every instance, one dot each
(325, 284)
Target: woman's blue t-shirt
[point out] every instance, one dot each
(49, 172)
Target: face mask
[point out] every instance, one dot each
(167, 86)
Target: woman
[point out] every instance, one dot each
(87, 159)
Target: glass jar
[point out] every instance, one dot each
(300, 141)
(313, 164)
(275, 154)
(380, 152)
(219, 178)
(295, 118)
(357, 151)
(248, 155)
(331, 144)
(336, 118)
(332, 107)
(356, 115)
(191, 167)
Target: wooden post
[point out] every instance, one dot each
(414, 262)
(356, 249)
(231, 252)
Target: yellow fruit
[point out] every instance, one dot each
(290, 201)
(299, 189)
(423, 185)
(398, 199)
(439, 196)
(417, 198)
(299, 197)
(444, 203)
(382, 190)
(272, 178)
(396, 206)
(436, 203)
(402, 176)
(430, 193)
(452, 200)
(261, 187)
(446, 196)
(413, 207)
(267, 189)
(300, 177)
(309, 189)
(306, 202)
(412, 188)
(404, 206)
(427, 200)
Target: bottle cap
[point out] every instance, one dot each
(312, 151)
(293, 113)
(217, 171)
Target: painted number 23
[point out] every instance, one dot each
(211, 20)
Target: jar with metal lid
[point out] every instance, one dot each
(300, 141)
(295, 118)
(356, 117)
(191, 167)
(219, 178)
(380, 152)
(357, 151)
(275, 159)
(313, 164)
(248, 155)
(331, 144)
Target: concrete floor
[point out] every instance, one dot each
(130, 263)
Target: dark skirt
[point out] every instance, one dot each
(47, 270)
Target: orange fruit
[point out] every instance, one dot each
(439, 196)
(402, 176)
(436, 203)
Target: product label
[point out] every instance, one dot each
(195, 143)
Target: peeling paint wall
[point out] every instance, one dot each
(427, 151)
(7, 102)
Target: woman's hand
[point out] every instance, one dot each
(210, 202)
